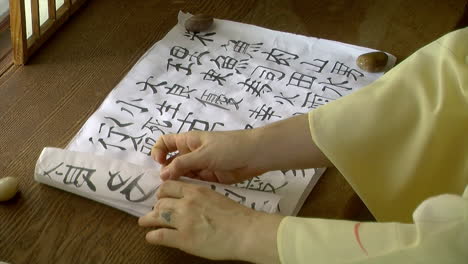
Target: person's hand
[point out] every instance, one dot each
(202, 222)
(231, 157)
(224, 157)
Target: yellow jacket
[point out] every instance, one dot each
(398, 141)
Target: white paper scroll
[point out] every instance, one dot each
(123, 185)
(233, 76)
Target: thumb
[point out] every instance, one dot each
(182, 165)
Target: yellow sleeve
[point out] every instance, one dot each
(404, 137)
(439, 235)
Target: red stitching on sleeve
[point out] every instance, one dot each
(358, 239)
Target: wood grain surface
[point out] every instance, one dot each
(46, 102)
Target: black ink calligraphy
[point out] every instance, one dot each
(256, 88)
(197, 124)
(202, 37)
(280, 57)
(218, 100)
(153, 87)
(263, 113)
(243, 47)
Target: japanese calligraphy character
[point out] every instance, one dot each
(213, 76)
(123, 138)
(218, 100)
(341, 69)
(78, 176)
(334, 86)
(182, 53)
(179, 90)
(47, 173)
(179, 52)
(285, 98)
(256, 87)
(75, 175)
(156, 125)
(106, 145)
(115, 186)
(150, 85)
(258, 184)
(268, 73)
(243, 47)
(280, 57)
(117, 122)
(315, 101)
(230, 63)
(319, 66)
(225, 62)
(164, 108)
(197, 124)
(263, 113)
(301, 80)
(179, 66)
(202, 37)
(147, 146)
(142, 109)
(134, 192)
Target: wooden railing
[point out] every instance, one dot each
(24, 46)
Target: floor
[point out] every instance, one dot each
(46, 102)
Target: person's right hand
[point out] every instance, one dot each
(225, 157)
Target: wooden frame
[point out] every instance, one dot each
(24, 47)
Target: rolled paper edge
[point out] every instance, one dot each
(143, 209)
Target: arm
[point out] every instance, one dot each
(288, 145)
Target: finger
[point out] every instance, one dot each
(183, 164)
(207, 175)
(170, 189)
(171, 158)
(164, 145)
(152, 220)
(165, 237)
(162, 172)
(163, 214)
(189, 174)
(176, 189)
(225, 177)
(181, 144)
(229, 177)
(159, 218)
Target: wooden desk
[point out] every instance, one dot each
(46, 102)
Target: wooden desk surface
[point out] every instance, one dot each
(46, 102)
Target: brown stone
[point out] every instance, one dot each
(373, 61)
(199, 23)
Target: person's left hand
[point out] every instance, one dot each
(202, 222)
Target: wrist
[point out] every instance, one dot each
(259, 139)
(258, 243)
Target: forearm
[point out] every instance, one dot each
(288, 144)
